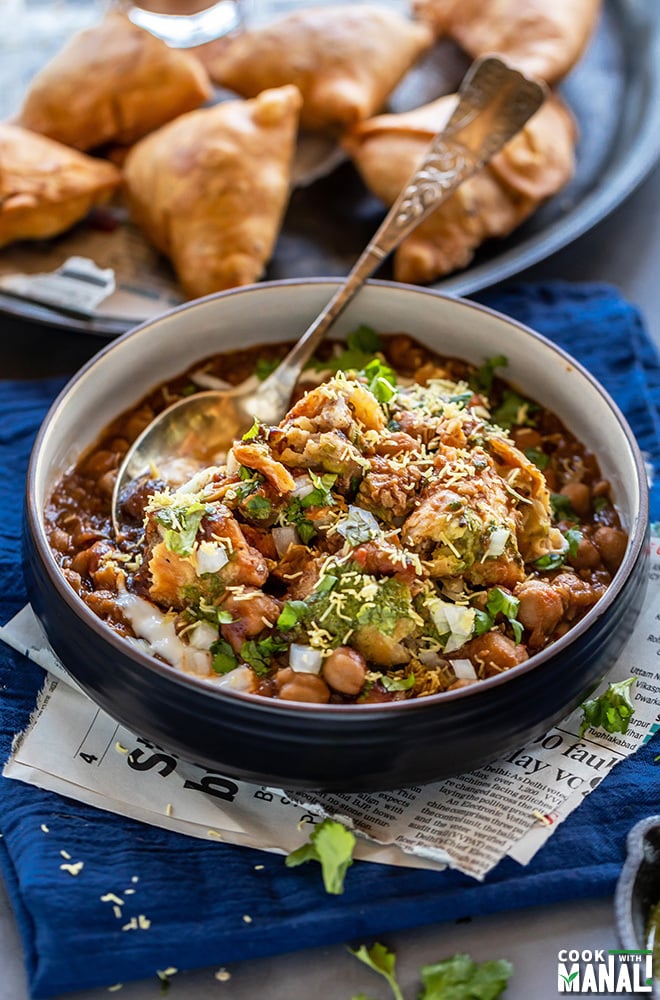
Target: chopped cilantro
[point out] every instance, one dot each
(361, 346)
(259, 507)
(514, 409)
(320, 496)
(461, 978)
(599, 503)
(250, 481)
(462, 398)
(295, 514)
(499, 602)
(554, 560)
(381, 380)
(332, 845)
(397, 683)
(484, 375)
(538, 457)
(259, 654)
(611, 711)
(181, 526)
(291, 614)
(562, 507)
(326, 583)
(224, 657)
(253, 431)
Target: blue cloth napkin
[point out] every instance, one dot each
(196, 893)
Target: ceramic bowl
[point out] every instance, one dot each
(341, 747)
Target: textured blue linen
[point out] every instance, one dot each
(195, 892)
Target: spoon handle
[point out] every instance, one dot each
(494, 102)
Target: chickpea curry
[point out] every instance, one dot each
(413, 525)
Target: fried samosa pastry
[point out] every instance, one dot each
(543, 39)
(210, 189)
(113, 82)
(345, 60)
(534, 165)
(46, 187)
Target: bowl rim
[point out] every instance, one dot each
(35, 521)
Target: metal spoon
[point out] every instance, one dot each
(494, 102)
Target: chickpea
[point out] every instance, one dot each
(106, 483)
(611, 543)
(587, 555)
(60, 540)
(494, 652)
(579, 496)
(296, 686)
(345, 670)
(99, 462)
(540, 610)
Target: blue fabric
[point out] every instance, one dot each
(195, 892)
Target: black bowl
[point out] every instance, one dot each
(332, 747)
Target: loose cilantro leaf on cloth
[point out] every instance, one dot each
(332, 845)
(612, 710)
(382, 961)
(461, 978)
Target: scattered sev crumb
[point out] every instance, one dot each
(223, 975)
(134, 878)
(168, 809)
(163, 973)
(143, 922)
(117, 986)
(111, 898)
(542, 818)
(247, 919)
(120, 748)
(118, 912)
(44, 828)
(259, 868)
(73, 869)
(65, 855)
(214, 834)
(129, 892)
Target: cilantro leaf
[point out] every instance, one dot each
(291, 614)
(265, 367)
(562, 507)
(461, 978)
(181, 526)
(381, 380)
(498, 602)
(259, 507)
(259, 654)
(514, 409)
(224, 657)
(611, 711)
(253, 431)
(483, 377)
(397, 683)
(332, 845)
(538, 457)
(361, 346)
(320, 496)
(381, 960)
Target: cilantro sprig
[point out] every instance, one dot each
(612, 710)
(332, 845)
(499, 602)
(361, 346)
(455, 978)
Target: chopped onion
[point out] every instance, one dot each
(202, 635)
(240, 679)
(284, 537)
(305, 659)
(464, 670)
(210, 557)
(196, 661)
(497, 543)
(303, 487)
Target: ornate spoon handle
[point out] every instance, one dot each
(494, 103)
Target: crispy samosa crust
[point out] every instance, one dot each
(46, 187)
(113, 82)
(544, 38)
(534, 165)
(210, 189)
(345, 60)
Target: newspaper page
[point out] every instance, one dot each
(470, 822)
